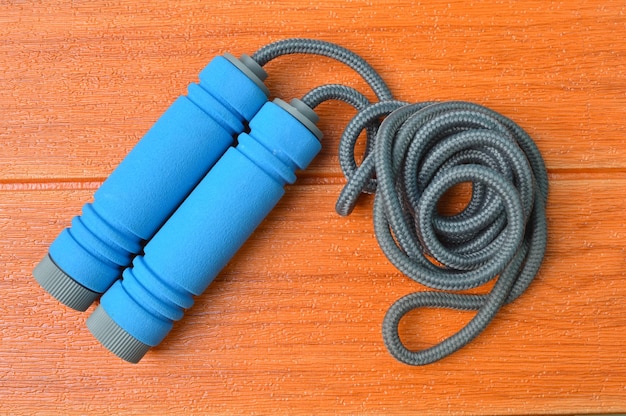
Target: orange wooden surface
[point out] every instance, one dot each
(292, 326)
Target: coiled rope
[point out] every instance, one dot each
(412, 158)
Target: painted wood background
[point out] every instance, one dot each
(292, 326)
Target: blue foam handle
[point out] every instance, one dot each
(157, 175)
(208, 228)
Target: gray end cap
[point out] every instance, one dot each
(62, 287)
(253, 66)
(114, 338)
(303, 113)
(251, 69)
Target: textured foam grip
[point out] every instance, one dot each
(152, 180)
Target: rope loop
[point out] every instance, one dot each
(421, 151)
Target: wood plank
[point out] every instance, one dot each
(293, 323)
(84, 81)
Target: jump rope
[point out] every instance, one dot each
(179, 206)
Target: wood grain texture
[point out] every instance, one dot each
(292, 326)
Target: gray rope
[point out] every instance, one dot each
(412, 158)
(330, 50)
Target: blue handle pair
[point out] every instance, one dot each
(204, 197)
